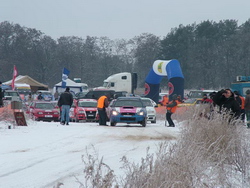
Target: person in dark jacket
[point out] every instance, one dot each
(40, 96)
(226, 101)
(1, 95)
(247, 107)
(65, 102)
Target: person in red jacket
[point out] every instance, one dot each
(205, 99)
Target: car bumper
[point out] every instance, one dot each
(151, 117)
(43, 118)
(127, 119)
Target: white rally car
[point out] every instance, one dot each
(150, 107)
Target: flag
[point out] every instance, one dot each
(65, 75)
(14, 77)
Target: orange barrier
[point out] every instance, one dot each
(5, 108)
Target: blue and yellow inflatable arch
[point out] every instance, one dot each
(169, 68)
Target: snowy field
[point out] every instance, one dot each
(45, 153)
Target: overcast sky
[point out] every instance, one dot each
(118, 18)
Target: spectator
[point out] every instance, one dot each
(205, 99)
(102, 103)
(29, 98)
(40, 96)
(225, 100)
(179, 99)
(65, 102)
(247, 107)
(1, 95)
(56, 95)
(241, 101)
(165, 100)
(171, 108)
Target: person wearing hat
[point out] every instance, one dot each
(1, 95)
(171, 108)
(225, 99)
(205, 99)
(247, 107)
(65, 102)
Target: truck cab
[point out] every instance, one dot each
(123, 81)
(242, 84)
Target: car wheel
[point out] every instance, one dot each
(144, 123)
(112, 123)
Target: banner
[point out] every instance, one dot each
(65, 75)
(14, 77)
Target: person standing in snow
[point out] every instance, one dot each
(247, 107)
(171, 108)
(102, 103)
(225, 99)
(1, 95)
(65, 102)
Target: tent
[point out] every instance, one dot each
(34, 85)
(74, 87)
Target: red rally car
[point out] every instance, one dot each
(43, 110)
(84, 110)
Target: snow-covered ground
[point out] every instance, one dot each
(44, 153)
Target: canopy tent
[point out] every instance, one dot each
(34, 85)
(74, 87)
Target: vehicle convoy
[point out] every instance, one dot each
(242, 84)
(124, 81)
(84, 109)
(130, 110)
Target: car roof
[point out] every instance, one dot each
(131, 98)
(43, 101)
(11, 91)
(145, 98)
(88, 100)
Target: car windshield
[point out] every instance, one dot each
(87, 103)
(189, 101)
(147, 102)
(135, 103)
(46, 93)
(45, 106)
(11, 94)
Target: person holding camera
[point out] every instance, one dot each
(225, 99)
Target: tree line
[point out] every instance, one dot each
(211, 54)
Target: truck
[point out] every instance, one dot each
(242, 84)
(121, 82)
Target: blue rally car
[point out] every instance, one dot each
(127, 110)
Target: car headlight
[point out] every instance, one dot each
(115, 113)
(81, 112)
(141, 113)
(56, 113)
(39, 112)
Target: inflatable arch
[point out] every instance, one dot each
(169, 68)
